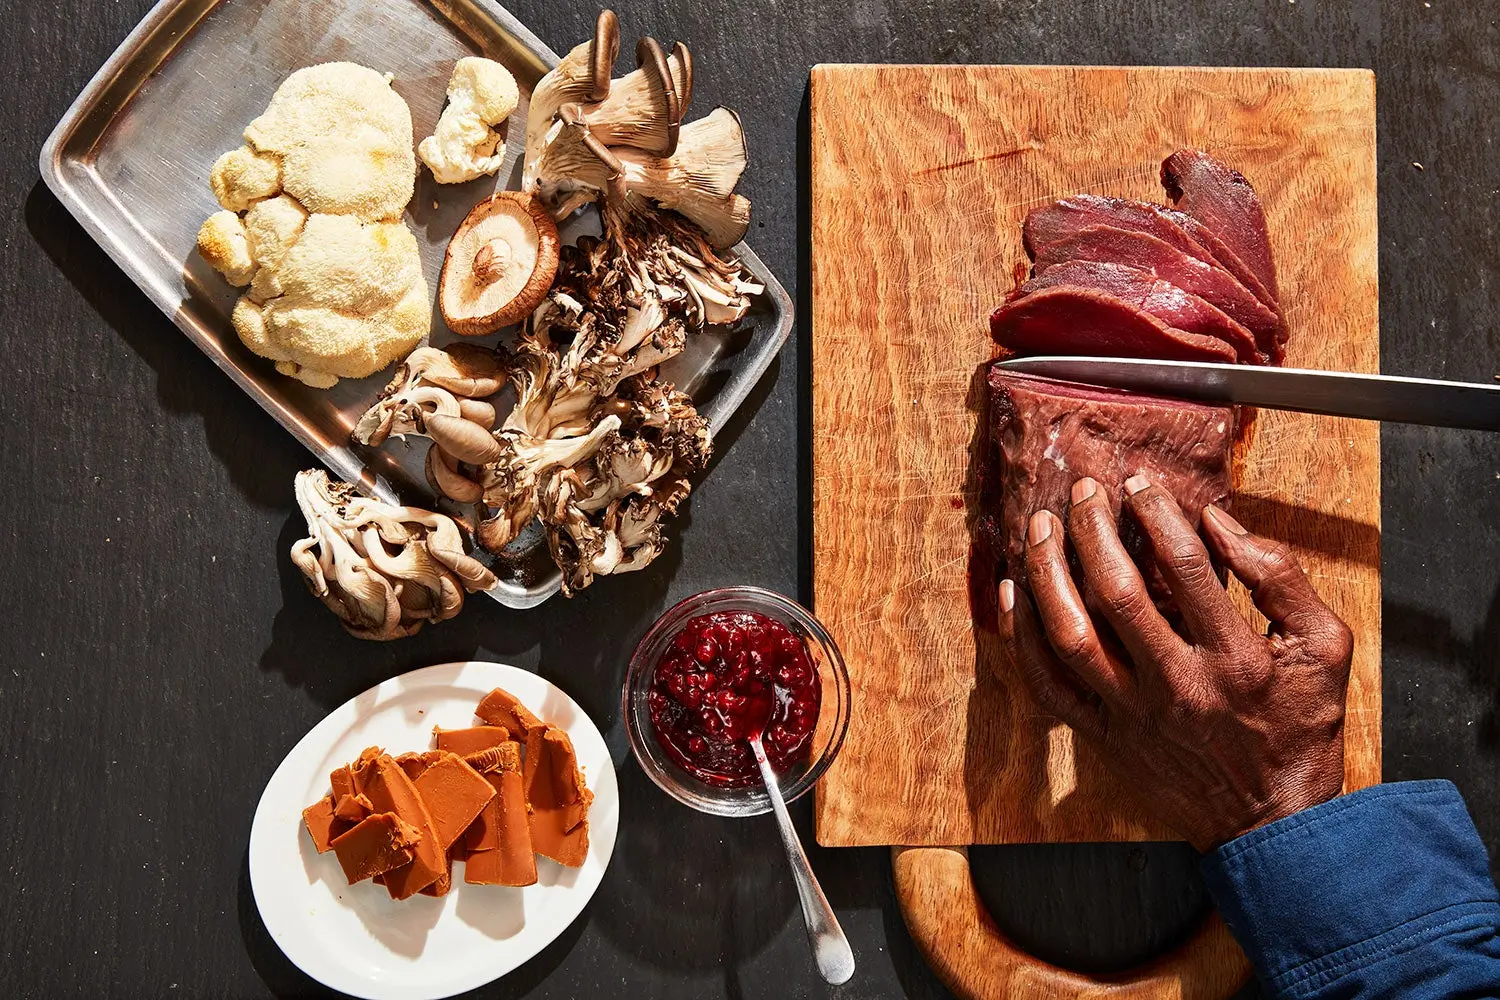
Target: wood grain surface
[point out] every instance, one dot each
(918, 198)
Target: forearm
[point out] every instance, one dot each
(1383, 893)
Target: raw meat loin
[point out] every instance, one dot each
(1145, 291)
(1210, 282)
(1084, 321)
(1226, 203)
(1045, 435)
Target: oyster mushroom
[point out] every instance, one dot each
(604, 48)
(667, 218)
(698, 181)
(641, 110)
(438, 394)
(384, 570)
(499, 265)
(580, 77)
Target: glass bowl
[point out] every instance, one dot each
(833, 713)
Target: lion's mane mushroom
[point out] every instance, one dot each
(481, 95)
(384, 570)
(500, 264)
(440, 394)
(311, 222)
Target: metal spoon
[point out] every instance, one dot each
(831, 951)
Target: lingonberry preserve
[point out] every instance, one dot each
(723, 677)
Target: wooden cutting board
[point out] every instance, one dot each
(920, 179)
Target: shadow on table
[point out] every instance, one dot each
(1476, 652)
(187, 382)
(687, 892)
(312, 652)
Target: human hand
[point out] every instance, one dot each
(1219, 733)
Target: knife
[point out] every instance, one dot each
(1341, 394)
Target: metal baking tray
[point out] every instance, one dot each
(130, 159)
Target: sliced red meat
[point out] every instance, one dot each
(1226, 203)
(1067, 216)
(1177, 229)
(1176, 308)
(1080, 321)
(1210, 282)
(1047, 434)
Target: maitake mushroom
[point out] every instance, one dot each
(499, 264)
(384, 570)
(596, 447)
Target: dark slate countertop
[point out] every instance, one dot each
(164, 654)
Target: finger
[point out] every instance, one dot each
(1115, 582)
(1206, 608)
(1057, 689)
(1069, 630)
(1278, 586)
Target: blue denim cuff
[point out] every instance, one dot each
(1338, 889)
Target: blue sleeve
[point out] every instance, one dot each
(1382, 893)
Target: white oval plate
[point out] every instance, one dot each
(355, 938)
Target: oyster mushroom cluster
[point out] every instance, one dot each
(442, 395)
(384, 570)
(665, 189)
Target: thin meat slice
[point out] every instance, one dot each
(1145, 291)
(1177, 229)
(1225, 202)
(1047, 434)
(1067, 216)
(1225, 258)
(1210, 282)
(1083, 321)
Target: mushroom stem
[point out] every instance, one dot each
(603, 51)
(492, 261)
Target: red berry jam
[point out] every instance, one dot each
(724, 677)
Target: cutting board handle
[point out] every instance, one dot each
(960, 941)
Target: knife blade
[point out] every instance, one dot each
(1396, 398)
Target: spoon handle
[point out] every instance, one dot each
(831, 951)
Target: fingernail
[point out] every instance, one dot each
(1007, 596)
(1083, 489)
(1040, 528)
(1135, 484)
(1224, 521)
